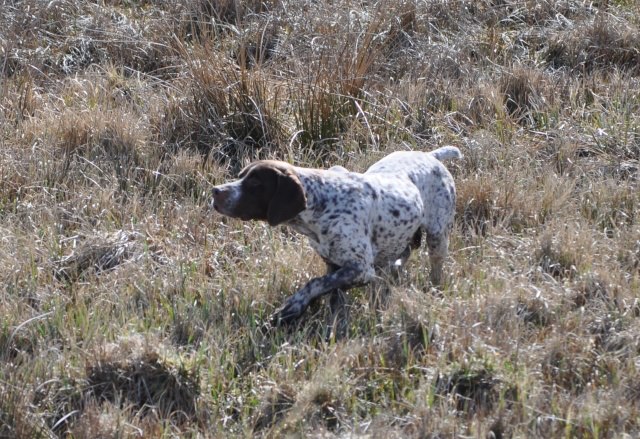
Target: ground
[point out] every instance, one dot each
(129, 309)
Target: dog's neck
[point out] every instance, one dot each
(315, 190)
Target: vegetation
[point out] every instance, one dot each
(131, 310)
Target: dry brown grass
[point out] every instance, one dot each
(130, 310)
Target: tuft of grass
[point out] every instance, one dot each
(478, 212)
(101, 254)
(601, 42)
(17, 419)
(274, 407)
(143, 383)
(609, 208)
(523, 95)
(557, 260)
(226, 112)
(534, 312)
(471, 389)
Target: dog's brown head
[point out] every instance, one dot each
(267, 190)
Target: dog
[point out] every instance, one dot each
(357, 222)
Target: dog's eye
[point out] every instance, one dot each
(253, 182)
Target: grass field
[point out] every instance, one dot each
(130, 310)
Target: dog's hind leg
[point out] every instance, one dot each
(338, 323)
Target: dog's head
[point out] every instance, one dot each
(267, 190)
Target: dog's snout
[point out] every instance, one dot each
(219, 198)
(219, 195)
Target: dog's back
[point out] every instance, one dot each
(407, 162)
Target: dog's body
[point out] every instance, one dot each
(355, 222)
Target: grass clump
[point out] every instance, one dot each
(596, 43)
(146, 383)
(556, 262)
(471, 389)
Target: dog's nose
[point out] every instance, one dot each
(219, 197)
(212, 202)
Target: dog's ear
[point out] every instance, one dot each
(248, 168)
(288, 199)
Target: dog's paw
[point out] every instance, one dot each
(288, 313)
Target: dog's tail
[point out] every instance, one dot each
(446, 152)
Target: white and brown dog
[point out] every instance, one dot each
(355, 222)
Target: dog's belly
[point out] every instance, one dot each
(388, 241)
(388, 245)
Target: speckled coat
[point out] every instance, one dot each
(372, 217)
(359, 222)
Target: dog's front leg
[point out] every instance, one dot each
(342, 278)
